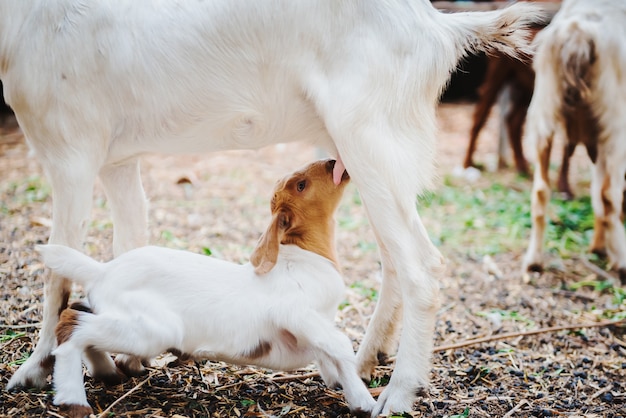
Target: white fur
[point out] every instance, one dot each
(589, 34)
(150, 300)
(97, 84)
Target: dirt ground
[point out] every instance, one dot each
(220, 202)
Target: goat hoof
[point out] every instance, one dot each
(622, 275)
(112, 379)
(600, 252)
(535, 268)
(32, 374)
(77, 411)
(130, 365)
(360, 413)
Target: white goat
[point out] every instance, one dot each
(580, 88)
(95, 84)
(151, 300)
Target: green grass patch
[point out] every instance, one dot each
(31, 189)
(496, 219)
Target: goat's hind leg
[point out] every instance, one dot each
(68, 373)
(388, 183)
(533, 260)
(79, 331)
(419, 290)
(607, 195)
(380, 340)
(72, 183)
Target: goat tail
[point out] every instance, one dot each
(508, 30)
(70, 263)
(577, 57)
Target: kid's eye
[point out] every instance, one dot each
(301, 185)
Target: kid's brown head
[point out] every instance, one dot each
(302, 207)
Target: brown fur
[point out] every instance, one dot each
(302, 214)
(67, 322)
(80, 306)
(77, 411)
(289, 339)
(262, 349)
(65, 297)
(519, 75)
(182, 357)
(47, 362)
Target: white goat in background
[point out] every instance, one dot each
(95, 84)
(580, 89)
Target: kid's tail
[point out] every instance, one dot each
(70, 263)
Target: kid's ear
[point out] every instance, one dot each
(265, 254)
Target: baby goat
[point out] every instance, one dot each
(151, 300)
(579, 67)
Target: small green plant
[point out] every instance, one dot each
(167, 235)
(369, 292)
(378, 381)
(32, 189)
(207, 251)
(507, 315)
(464, 414)
(11, 335)
(601, 286)
(20, 360)
(246, 403)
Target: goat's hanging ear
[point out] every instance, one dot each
(265, 254)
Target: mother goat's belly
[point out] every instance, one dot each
(251, 129)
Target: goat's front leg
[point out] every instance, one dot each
(122, 185)
(72, 189)
(129, 209)
(488, 96)
(335, 357)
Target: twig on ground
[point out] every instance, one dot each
(130, 392)
(295, 377)
(600, 392)
(515, 409)
(467, 343)
(597, 270)
(376, 391)
(21, 326)
(528, 333)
